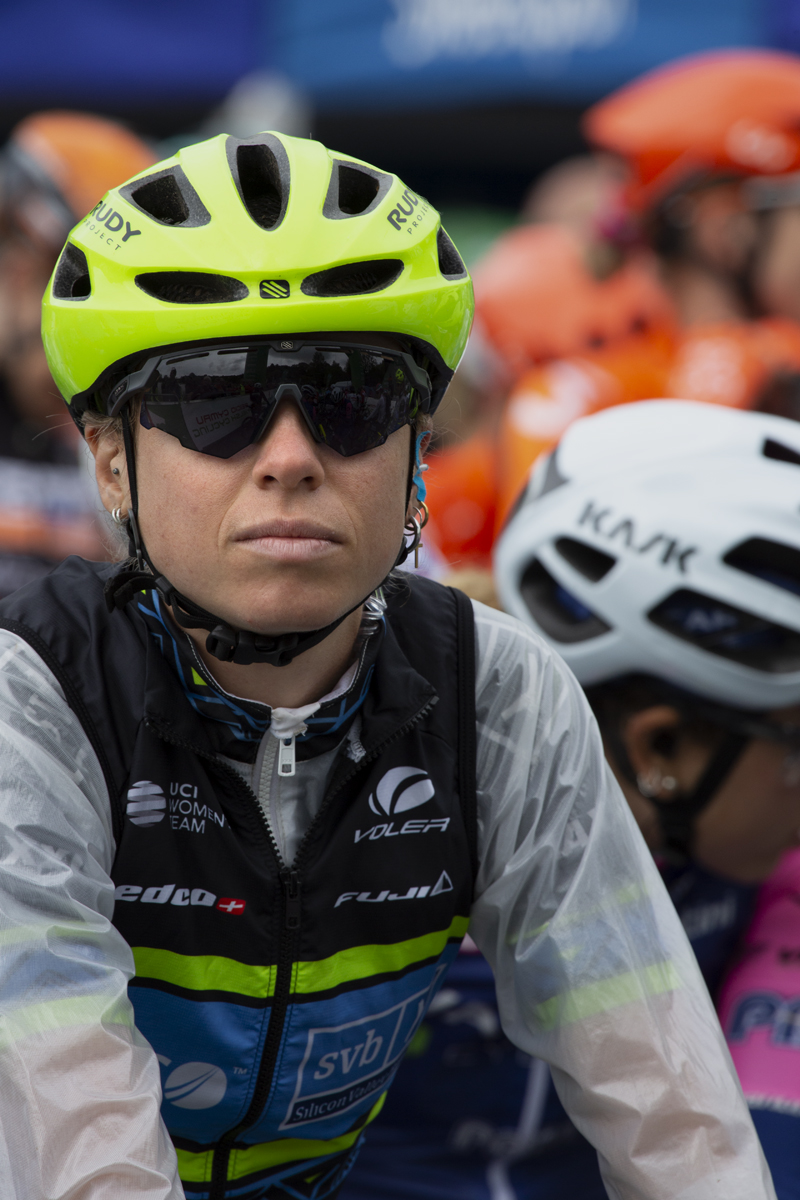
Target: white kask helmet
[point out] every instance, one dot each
(663, 538)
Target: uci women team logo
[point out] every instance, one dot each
(147, 804)
(401, 789)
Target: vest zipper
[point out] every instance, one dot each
(291, 885)
(368, 757)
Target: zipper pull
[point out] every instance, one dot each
(291, 888)
(286, 758)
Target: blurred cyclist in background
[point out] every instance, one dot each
(658, 551)
(708, 221)
(54, 168)
(712, 148)
(551, 288)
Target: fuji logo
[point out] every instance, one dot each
(195, 1085)
(147, 804)
(394, 794)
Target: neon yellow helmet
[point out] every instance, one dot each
(239, 237)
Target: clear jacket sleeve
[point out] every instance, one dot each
(594, 972)
(80, 1094)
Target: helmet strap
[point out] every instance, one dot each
(224, 641)
(676, 817)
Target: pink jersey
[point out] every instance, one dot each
(759, 1001)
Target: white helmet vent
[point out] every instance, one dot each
(773, 562)
(776, 450)
(722, 629)
(590, 561)
(561, 615)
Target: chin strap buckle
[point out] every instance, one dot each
(221, 642)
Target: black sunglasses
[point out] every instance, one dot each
(220, 399)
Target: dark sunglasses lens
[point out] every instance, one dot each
(219, 401)
(354, 399)
(208, 401)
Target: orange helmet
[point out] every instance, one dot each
(461, 495)
(57, 165)
(546, 401)
(535, 299)
(733, 112)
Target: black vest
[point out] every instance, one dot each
(278, 997)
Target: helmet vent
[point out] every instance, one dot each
(168, 197)
(71, 280)
(555, 610)
(191, 287)
(353, 279)
(450, 263)
(354, 190)
(773, 562)
(591, 563)
(729, 632)
(781, 453)
(260, 170)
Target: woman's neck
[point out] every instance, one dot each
(308, 677)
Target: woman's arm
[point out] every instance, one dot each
(80, 1095)
(594, 972)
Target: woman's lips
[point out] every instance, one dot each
(290, 541)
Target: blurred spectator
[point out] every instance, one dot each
(55, 167)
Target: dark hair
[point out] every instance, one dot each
(614, 701)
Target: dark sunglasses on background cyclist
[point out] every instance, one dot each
(219, 399)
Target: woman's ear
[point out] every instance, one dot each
(110, 468)
(654, 747)
(420, 442)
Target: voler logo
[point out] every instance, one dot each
(194, 1084)
(397, 794)
(401, 789)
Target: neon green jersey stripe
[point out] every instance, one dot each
(204, 972)
(359, 962)
(196, 1168)
(607, 994)
(208, 972)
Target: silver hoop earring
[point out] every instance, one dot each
(117, 517)
(414, 527)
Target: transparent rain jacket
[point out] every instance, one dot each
(594, 973)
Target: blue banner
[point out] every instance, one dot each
(392, 53)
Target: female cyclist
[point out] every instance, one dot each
(658, 549)
(254, 789)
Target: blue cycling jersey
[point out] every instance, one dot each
(470, 1117)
